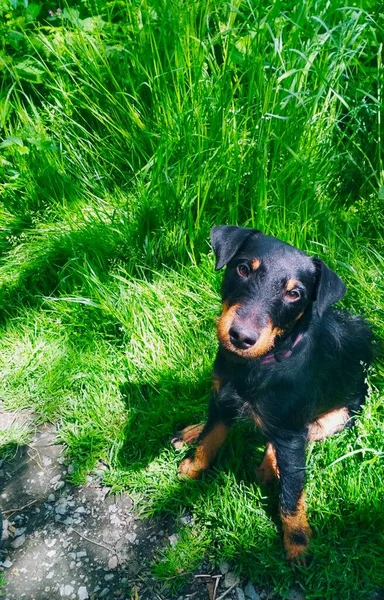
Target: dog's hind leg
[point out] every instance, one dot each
(328, 424)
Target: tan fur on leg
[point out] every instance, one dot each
(328, 424)
(188, 435)
(297, 532)
(205, 452)
(268, 471)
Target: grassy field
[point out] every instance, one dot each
(129, 128)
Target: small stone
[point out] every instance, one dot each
(55, 479)
(50, 575)
(240, 594)
(5, 531)
(131, 537)
(224, 568)
(19, 541)
(61, 509)
(104, 592)
(50, 542)
(250, 592)
(72, 564)
(120, 544)
(19, 531)
(173, 539)
(81, 554)
(68, 521)
(80, 510)
(113, 562)
(71, 469)
(51, 498)
(19, 518)
(66, 590)
(230, 579)
(51, 553)
(82, 593)
(46, 461)
(58, 485)
(108, 576)
(295, 594)
(114, 519)
(6, 563)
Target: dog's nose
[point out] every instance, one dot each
(241, 337)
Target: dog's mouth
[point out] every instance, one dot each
(243, 340)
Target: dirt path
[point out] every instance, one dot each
(80, 542)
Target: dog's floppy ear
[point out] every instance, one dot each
(226, 241)
(329, 288)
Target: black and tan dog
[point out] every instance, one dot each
(286, 359)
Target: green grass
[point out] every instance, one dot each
(129, 129)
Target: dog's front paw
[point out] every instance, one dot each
(189, 469)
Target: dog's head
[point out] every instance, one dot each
(267, 287)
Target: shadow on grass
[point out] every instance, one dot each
(55, 262)
(156, 413)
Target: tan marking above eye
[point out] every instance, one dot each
(255, 264)
(291, 284)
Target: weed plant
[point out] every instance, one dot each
(129, 128)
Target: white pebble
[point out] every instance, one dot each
(6, 563)
(66, 590)
(113, 562)
(82, 593)
(173, 539)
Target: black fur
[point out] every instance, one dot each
(318, 360)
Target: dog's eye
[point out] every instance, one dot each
(292, 295)
(243, 270)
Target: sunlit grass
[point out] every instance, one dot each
(129, 129)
